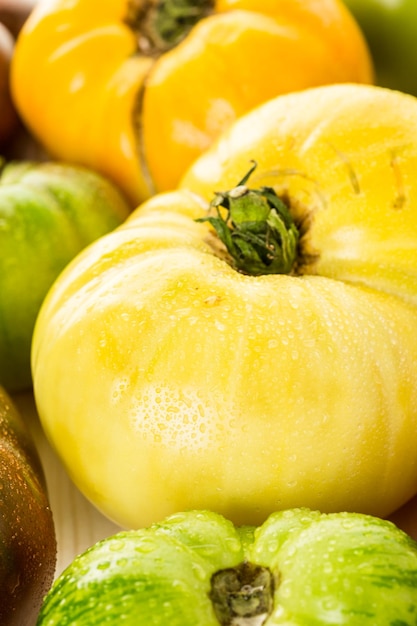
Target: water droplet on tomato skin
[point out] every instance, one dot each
(180, 585)
(145, 546)
(272, 546)
(327, 567)
(233, 545)
(199, 571)
(117, 545)
(329, 605)
(175, 418)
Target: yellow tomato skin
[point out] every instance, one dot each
(168, 381)
(346, 158)
(142, 120)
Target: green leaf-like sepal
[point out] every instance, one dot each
(256, 227)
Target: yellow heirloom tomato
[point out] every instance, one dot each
(138, 89)
(260, 353)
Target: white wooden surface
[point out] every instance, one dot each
(78, 524)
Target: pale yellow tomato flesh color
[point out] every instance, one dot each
(169, 381)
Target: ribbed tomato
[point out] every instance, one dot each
(138, 90)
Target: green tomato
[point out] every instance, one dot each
(48, 213)
(300, 568)
(390, 27)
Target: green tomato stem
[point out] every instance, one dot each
(242, 595)
(256, 227)
(162, 24)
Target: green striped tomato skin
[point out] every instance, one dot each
(48, 213)
(159, 575)
(340, 568)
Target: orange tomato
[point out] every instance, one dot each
(138, 90)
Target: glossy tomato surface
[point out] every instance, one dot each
(48, 212)
(27, 533)
(8, 117)
(196, 569)
(390, 28)
(146, 87)
(195, 385)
